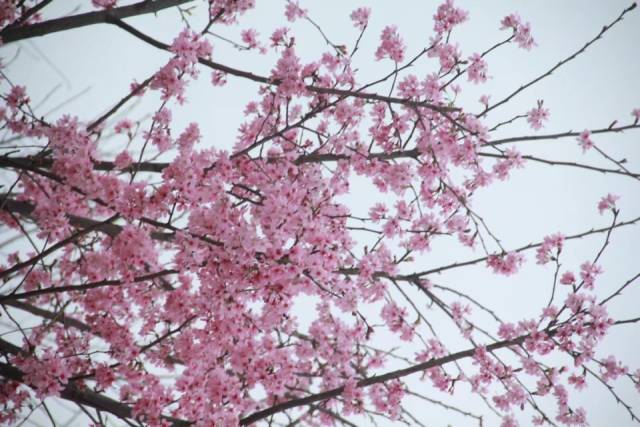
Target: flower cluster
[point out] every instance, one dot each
(608, 202)
(448, 16)
(360, 17)
(104, 4)
(189, 262)
(505, 264)
(477, 70)
(521, 31)
(293, 11)
(391, 45)
(584, 140)
(536, 116)
(550, 248)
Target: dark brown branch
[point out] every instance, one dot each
(563, 163)
(29, 167)
(67, 321)
(29, 13)
(83, 287)
(261, 79)
(47, 162)
(283, 406)
(110, 229)
(620, 289)
(561, 135)
(627, 321)
(400, 373)
(562, 62)
(12, 34)
(520, 249)
(158, 167)
(354, 271)
(50, 315)
(55, 247)
(119, 104)
(73, 393)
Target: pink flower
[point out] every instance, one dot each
(503, 167)
(508, 331)
(505, 264)
(509, 421)
(123, 126)
(387, 397)
(279, 36)
(17, 97)
(636, 114)
(135, 87)
(448, 54)
(447, 16)
(607, 202)
(550, 249)
(360, 17)
(190, 46)
(218, 78)
(537, 115)
(189, 137)
(521, 32)
(105, 376)
(477, 71)
(588, 274)
(123, 160)
(104, 4)
(394, 317)
(484, 100)
(293, 11)
(391, 45)
(288, 71)
(250, 37)
(612, 369)
(585, 140)
(7, 15)
(578, 381)
(568, 278)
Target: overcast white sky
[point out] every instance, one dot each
(98, 63)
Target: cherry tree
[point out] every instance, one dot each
(305, 272)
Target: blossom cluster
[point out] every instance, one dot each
(190, 264)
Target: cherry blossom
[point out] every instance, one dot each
(391, 45)
(360, 17)
(536, 116)
(607, 202)
(521, 31)
(550, 248)
(584, 140)
(506, 264)
(106, 4)
(477, 71)
(169, 279)
(294, 11)
(448, 16)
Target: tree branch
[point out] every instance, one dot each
(75, 394)
(562, 62)
(84, 287)
(563, 163)
(283, 406)
(266, 80)
(610, 129)
(12, 34)
(110, 229)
